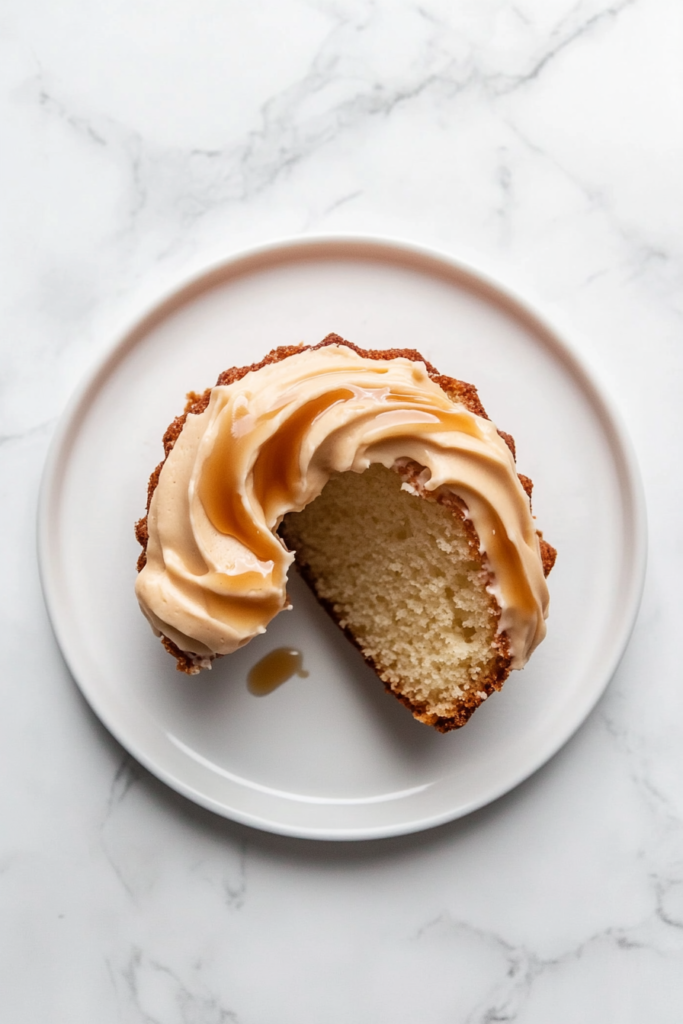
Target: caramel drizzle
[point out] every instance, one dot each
(275, 669)
(276, 473)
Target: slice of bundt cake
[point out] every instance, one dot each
(396, 494)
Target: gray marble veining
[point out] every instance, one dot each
(141, 140)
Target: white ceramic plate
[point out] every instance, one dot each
(331, 756)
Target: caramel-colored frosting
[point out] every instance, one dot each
(267, 444)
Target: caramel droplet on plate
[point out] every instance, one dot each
(275, 669)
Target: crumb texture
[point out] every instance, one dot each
(403, 577)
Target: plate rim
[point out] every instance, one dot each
(516, 299)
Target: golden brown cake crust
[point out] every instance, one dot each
(458, 391)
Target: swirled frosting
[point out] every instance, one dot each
(267, 444)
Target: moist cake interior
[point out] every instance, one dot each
(402, 575)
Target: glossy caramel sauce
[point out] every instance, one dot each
(275, 669)
(222, 496)
(276, 471)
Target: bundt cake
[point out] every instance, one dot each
(394, 492)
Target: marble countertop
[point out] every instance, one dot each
(139, 141)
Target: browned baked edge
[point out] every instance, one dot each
(458, 391)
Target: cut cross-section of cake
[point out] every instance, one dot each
(395, 493)
(399, 569)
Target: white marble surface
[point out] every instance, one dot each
(140, 140)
